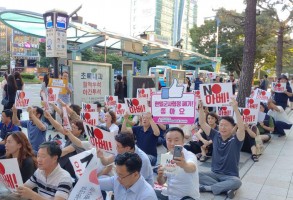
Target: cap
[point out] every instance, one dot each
(283, 76)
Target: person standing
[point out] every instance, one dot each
(119, 91)
(44, 86)
(66, 98)
(197, 82)
(19, 81)
(187, 81)
(125, 86)
(10, 91)
(265, 83)
(233, 81)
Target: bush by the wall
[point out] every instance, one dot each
(27, 76)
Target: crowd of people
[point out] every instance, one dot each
(45, 165)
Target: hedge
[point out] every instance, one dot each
(27, 76)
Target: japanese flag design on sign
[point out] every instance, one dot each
(145, 93)
(215, 94)
(45, 100)
(66, 123)
(168, 164)
(262, 95)
(91, 118)
(53, 94)
(278, 87)
(88, 107)
(179, 110)
(120, 109)
(197, 93)
(135, 106)
(21, 99)
(211, 75)
(111, 101)
(252, 103)
(10, 174)
(101, 139)
(224, 111)
(249, 115)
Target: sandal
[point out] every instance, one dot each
(203, 158)
(254, 157)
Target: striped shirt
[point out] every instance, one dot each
(58, 183)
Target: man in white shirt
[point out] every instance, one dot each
(185, 184)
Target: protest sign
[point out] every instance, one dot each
(211, 75)
(135, 106)
(145, 93)
(261, 116)
(21, 99)
(87, 186)
(120, 109)
(278, 87)
(252, 103)
(249, 115)
(262, 95)
(101, 139)
(53, 94)
(65, 122)
(10, 174)
(197, 93)
(224, 111)
(45, 100)
(168, 164)
(59, 83)
(88, 107)
(215, 94)
(179, 110)
(111, 101)
(91, 118)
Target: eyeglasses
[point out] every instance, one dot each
(121, 178)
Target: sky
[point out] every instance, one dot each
(113, 15)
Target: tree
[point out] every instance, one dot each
(44, 61)
(4, 59)
(248, 53)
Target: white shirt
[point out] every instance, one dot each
(113, 128)
(183, 184)
(280, 116)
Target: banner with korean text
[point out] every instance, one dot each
(224, 111)
(145, 93)
(215, 94)
(91, 118)
(59, 83)
(278, 87)
(249, 115)
(135, 106)
(88, 107)
(21, 99)
(260, 94)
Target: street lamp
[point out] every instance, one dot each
(218, 21)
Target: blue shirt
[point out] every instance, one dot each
(146, 168)
(66, 97)
(4, 130)
(35, 135)
(146, 141)
(140, 190)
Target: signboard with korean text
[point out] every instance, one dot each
(260, 94)
(224, 111)
(101, 139)
(111, 101)
(91, 81)
(145, 93)
(278, 87)
(91, 118)
(10, 174)
(215, 94)
(58, 83)
(21, 99)
(88, 107)
(168, 163)
(249, 115)
(135, 106)
(252, 103)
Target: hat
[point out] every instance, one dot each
(283, 76)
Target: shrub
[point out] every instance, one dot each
(27, 76)
(256, 81)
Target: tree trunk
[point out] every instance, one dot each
(279, 64)
(249, 50)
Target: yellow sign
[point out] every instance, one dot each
(59, 83)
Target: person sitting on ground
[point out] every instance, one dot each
(18, 146)
(185, 184)
(281, 118)
(146, 135)
(36, 128)
(110, 120)
(125, 143)
(267, 125)
(5, 127)
(249, 144)
(128, 183)
(224, 177)
(51, 180)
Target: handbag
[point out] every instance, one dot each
(5, 101)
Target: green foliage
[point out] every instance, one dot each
(44, 61)
(4, 59)
(27, 76)
(256, 82)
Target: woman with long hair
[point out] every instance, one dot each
(10, 91)
(19, 81)
(44, 87)
(187, 81)
(110, 120)
(18, 146)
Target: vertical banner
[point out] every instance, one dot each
(88, 107)
(10, 174)
(53, 94)
(21, 99)
(59, 83)
(216, 94)
(66, 124)
(91, 118)
(101, 139)
(135, 106)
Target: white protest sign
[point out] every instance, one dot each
(101, 139)
(249, 115)
(215, 94)
(224, 111)
(87, 186)
(211, 75)
(10, 174)
(53, 94)
(278, 87)
(91, 118)
(65, 123)
(197, 93)
(261, 116)
(120, 109)
(21, 99)
(168, 164)
(136, 106)
(45, 100)
(111, 101)
(262, 95)
(145, 93)
(88, 107)
(252, 103)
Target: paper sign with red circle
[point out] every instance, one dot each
(89, 107)
(10, 174)
(65, 123)
(21, 99)
(215, 94)
(278, 87)
(211, 75)
(224, 111)
(91, 118)
(262, 95)
(249, 115)
(111, 101)
(168, 163)
(145, 93)
(53, 94)
(120, 109)
(136, 106)
(101, 139)
(252, 103)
